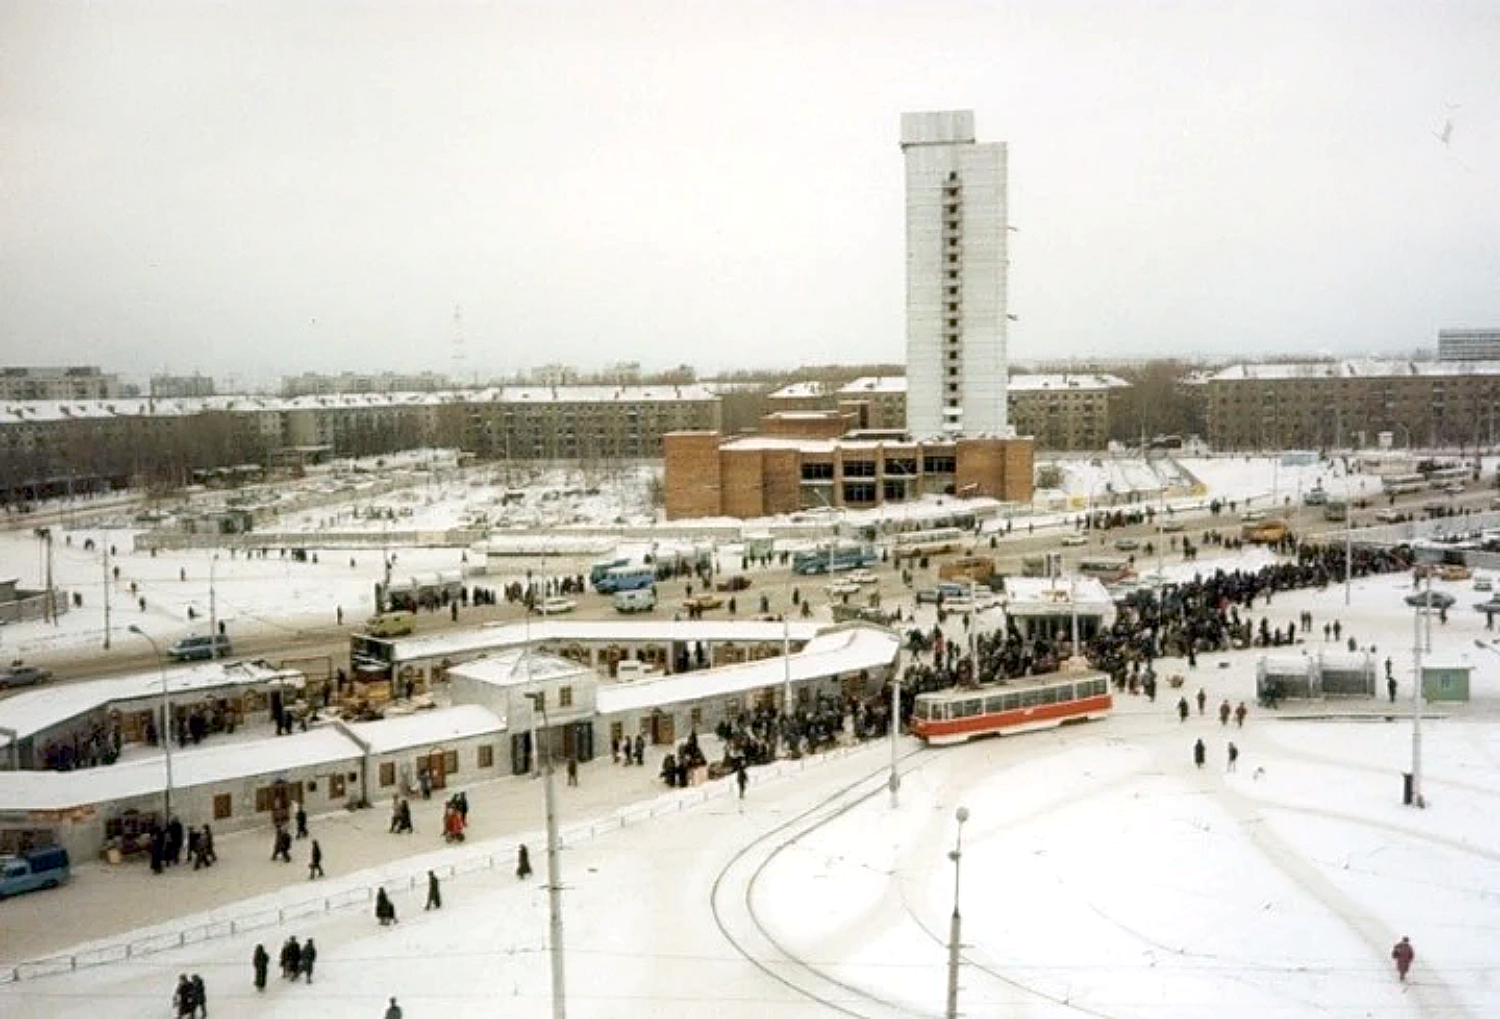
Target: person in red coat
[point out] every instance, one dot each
(1403, 953)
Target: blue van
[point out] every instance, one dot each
(34, 868)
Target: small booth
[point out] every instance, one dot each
(1446, 680)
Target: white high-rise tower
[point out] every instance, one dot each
(955, 278)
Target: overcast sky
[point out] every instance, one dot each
(254, 189)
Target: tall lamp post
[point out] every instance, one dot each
(554, 874)
(956, 855)
(166, 717)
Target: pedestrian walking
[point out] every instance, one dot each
(283, 848)
(434, 893)
(385, 910)
(1224, 713)
(182, 998)
(309, 956)
(291, 958)
(1390, 686)
(741, 779)
(200, 997)
(1234, 755)
(523, 862)
(1239, 715)
(315, 863)
(1202, 699)
(394, 1012)
(572, 771)
(301, 822)
(261, 961)
(1200, 753)
(1404, 955)
(1182, 709)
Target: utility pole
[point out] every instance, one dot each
(955, 925)
(106, 594)
(895, 780)
(554, 876)
(213, 610)
(1416, 705)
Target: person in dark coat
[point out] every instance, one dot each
(301, 822)
(291, 959)
(282, 849)
(1200, 753)
(1182, 709)
(523, 862)
(182, 998)
(394, 1012)
(385, 910)
(200, 997)
(1404, 954)
(309, 956)
(741, 779)
(434, 894)
(315, 862)
(261, 961)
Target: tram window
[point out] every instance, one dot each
(994, 704)
(965, 709)
(1030, 698)
(1012, 701)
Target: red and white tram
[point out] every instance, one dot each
(1035, 702)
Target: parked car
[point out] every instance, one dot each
(1389, 516)
(1172, 526)
(738, 582)
(391, 624)
(1440, 599)
(862, 577)
(35, 868)
(1074, 539)
(1316, 497)
(1127, 544)
(841, 587)
(703, 602)
(556, 605)
(18, 673)
(200, 647)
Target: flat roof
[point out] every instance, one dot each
(518, 667)
(60, 790)
(845, 649)
(34, 710)
(1044, 596)
(422, 728)
(515, 635)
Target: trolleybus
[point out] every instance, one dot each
(1036, 702)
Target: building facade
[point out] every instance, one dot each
(754, 476)
(1344, 404)
(1469, 344)
(955, 277)
(77, 383)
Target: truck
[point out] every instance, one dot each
(978, 568)
(46, 867)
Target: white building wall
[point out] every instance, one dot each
(940, 152)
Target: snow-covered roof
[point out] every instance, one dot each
(59, 790)
(836, 652)
(515, 635)
(1068, 381)
(1043, 596)
(875, 384)
(800, 390)
(12, 411)
(1361, 368)
(516, 667)
(424, 728)
(34, 710)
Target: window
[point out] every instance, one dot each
(388, 774)
(223, 806)
(859, 468)
(817, 471)
(486, 756)
(336, 787)
(450, 763)
(695, 716)
(565, 697)
(616, 731)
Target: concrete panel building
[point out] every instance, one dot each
(955, 277)
(1469, 344)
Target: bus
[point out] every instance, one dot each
(834, 559)
(910, 544)
(1440, 476)
(599, 569)
(626, 578)
(1107, 569)
(1400, 484)
(1023, 705)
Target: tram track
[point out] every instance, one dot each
(733, 906)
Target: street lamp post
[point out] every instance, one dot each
(166, 719)
(554, 874)
(213, 610)
(956, 855)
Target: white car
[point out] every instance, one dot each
(863, 577)
(842, 587)
(556, 605)
(1072, 540)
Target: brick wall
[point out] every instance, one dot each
(692, 475)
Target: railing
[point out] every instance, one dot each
(189, 931)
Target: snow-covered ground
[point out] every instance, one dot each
(1102, 873)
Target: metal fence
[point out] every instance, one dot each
(189, 932)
